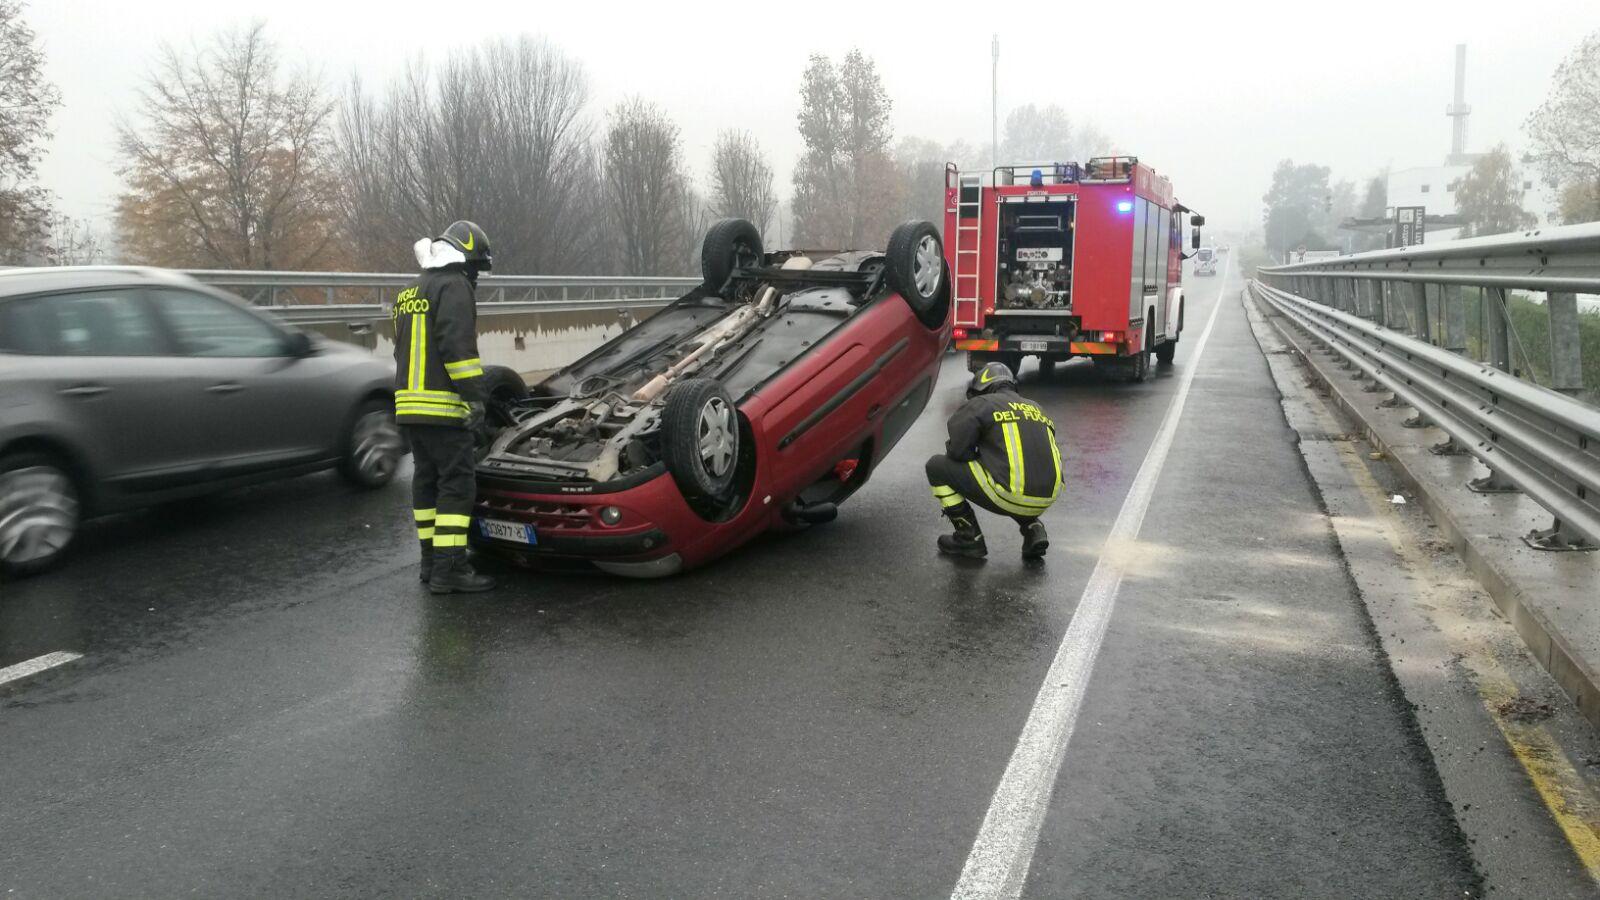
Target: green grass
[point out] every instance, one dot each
(1531, 350)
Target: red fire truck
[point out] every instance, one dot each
(1056, 261)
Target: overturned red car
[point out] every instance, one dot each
(761, 399)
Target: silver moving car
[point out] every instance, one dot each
(122, 387)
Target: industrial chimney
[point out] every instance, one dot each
(1459, 110)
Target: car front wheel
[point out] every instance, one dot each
(373, 447)
(39, 513)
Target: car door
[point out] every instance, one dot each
(273, 408)
(102, 370)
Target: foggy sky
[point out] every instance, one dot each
(1212, 94)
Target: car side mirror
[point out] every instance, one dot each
(297, 344)
(1194, 238)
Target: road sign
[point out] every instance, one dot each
(1408, 221)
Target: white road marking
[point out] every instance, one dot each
(37, 664)
(998, 865)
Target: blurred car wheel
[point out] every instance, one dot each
(374, 446)
(38, 513)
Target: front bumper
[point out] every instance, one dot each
(567, 526)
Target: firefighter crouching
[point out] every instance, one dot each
(1001, 456)
(439, 399)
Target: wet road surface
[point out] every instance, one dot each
(268, 703)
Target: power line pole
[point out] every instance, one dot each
(994, 105)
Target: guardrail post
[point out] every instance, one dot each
(1566, 348)
(1419, 302)
(1455, 318)
(1496, 329)
(329, 296)
(1385, 313)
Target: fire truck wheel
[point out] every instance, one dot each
(700, 438)
(976, 361)
(1140, 370)
(917, 271)
(1165, 352)
(730, 244)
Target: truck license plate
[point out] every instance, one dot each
(1035, 346)
(516, 532)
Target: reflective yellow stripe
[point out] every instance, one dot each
(940, 490)
(427, 395)
(424, 515)
(425, 534)
(419, 342)
(1055, 452)
(424, 411)
(449, 521)
(466, 373)
(1014, 456)
(949, 498)
(1018, 504)
(459, 364)
(449, 540)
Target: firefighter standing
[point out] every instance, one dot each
(1002, 456)
(439, 399)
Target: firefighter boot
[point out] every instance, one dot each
(968, 537)
(1034, 540)
(452, 574)
(425, 571)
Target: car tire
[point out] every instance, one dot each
(916, 270)
(700, 438)
(730, 244)
(502, 384)
(372, 446)
(39, 513)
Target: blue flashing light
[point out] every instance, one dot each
(1037, 179)
(1124, 206)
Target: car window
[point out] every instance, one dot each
(89, 323)
(206, 326)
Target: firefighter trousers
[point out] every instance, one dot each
(953, 482)
(443, 485)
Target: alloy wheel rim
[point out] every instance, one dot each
(38, 514)
(376, 448)
(927, 265)
(717, 438)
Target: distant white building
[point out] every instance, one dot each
(1434, 188)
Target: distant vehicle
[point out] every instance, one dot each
(1222, 249)
(123, 387)
(1054, 261)
(760, 400)
(1205, 261)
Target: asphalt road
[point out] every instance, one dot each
(269, 704)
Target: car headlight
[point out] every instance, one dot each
(610, 515)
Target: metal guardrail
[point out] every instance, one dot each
(1537, 441)
(343, 288)
(367, 313)
(1421, 290)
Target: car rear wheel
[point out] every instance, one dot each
(39, 513)
(917, 271)
(373, 447)
(700, 438)
(730, 244)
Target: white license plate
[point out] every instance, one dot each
(1035, 346)
(516, 532)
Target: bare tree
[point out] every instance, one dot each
(495, 134)
(741, 180)
(647, 189)
(26, 102)
(921, 165)
(1490, 196)
(1566, 131)
(1035, 135)
(846, 184)
(70, 242)
(227, 165)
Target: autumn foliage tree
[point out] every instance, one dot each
(27, 100)
(1490, 196)
(226, 164)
